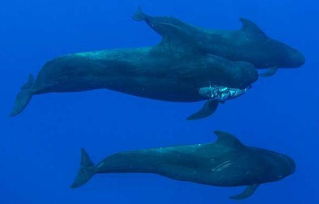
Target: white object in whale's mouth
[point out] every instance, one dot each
(221, 93)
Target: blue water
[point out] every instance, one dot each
(39, 149)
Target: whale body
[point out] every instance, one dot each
(161, 72)
(249, 43)
(227, 162)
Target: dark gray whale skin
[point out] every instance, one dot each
(142, 73)
(249, 43)
(161, 72)
(227, 162)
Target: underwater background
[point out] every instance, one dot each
(39, 149)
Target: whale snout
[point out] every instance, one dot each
(287, 166)
(292, 58)
(297, 59)
(291, 165)
(284, 56)
(281, 165)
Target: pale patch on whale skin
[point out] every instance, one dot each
(221, 93)
(222, 166)
(112, 54)
(215, 95)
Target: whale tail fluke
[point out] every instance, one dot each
(86, 171)
(23, 97)
(139, 15)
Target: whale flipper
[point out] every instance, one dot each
(269, 72)
(86, 171)
(23, 97)
(207, 109)
(249, 191)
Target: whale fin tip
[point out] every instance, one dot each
(86, 171)
(227, 140)
(249, 191)
(250, 27)
(23, 97)
(139, 15)
(207, 109)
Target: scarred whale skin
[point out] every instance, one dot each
(227, 162)
(249, 43)
(161, 72)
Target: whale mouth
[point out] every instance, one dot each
(221, 93)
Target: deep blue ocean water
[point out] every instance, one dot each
(39, 149)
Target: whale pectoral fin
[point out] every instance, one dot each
(207, 109)
(23, 97)
(249, 191)
(269, 72)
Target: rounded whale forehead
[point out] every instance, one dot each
(295, 58)
(286, 56)
(281, 164)
(288, 162)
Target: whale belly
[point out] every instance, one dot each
(168, 89)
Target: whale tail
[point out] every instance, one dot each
(139, 15)
(86, 171)
(23, 97)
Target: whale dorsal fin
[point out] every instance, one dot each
(227, 139)
(177, 36)
(251, 28)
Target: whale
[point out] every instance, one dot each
(225, 163)
(250, 43)
(167, 71)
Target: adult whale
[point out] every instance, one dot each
(168, 71)
(249, 43)
(227, 162)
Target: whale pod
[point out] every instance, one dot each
(163, 72)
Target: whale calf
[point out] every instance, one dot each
(227, 162)
(169, 72)
(249, 43)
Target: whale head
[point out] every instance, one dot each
(265, 52)
(280, 165)
(283, 55)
